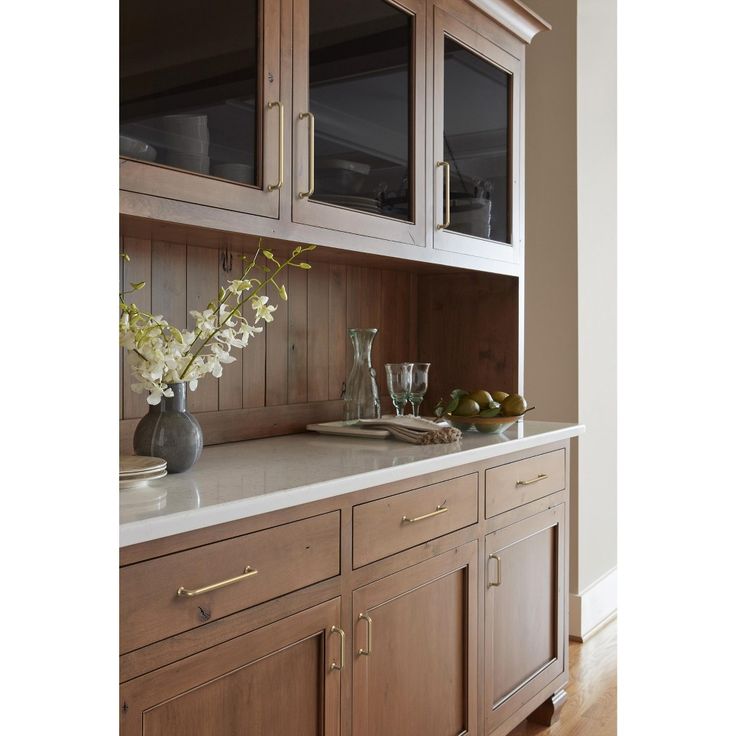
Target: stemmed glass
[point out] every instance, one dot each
(398, 378)
(419, 384)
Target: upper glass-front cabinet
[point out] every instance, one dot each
(358, 117)
(476, 134)
(199, 94)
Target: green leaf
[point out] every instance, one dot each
(439, 410)
(458, 393)
(454, 402)
(177, 334)
(138, 285)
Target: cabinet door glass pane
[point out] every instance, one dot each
(189, 86)
(360, 80)
(476, 143)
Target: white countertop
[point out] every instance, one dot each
(242, 479)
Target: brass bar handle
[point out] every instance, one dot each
(446, 222)
(280, 182)
(334, 666)
(365, 616)
(498, 569)
(249, 572)
(439, 510)
(541, 476)
(310, 120)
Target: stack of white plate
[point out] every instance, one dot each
(364, 204)
(137, 471)
(188, 140)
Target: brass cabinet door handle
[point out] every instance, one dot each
(280, 182)
(439, 510)
(541, 476)
(334, 666)
(498, 571)
(446, 221)
(310, 119)
(249, 572)
(369, 620)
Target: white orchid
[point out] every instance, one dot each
(160, 354)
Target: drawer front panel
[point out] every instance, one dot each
(286, 558)
(389, 525)
(517, 483)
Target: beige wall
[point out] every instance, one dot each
(597, 397)
(570, 299)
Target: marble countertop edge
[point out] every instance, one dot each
(178, 522)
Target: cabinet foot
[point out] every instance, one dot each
(549, 712)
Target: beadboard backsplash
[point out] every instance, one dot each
(295, 370)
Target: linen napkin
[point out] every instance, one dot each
(415, 430)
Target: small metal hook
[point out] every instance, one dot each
(227, 260)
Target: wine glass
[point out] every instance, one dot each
(419, 384)
(398, 378)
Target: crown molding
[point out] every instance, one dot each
(522, 21)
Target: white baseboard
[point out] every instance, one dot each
(593, 606)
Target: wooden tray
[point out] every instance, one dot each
(348, 429)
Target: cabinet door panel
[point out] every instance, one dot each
(276, 681)
(195, 88)
(359, 71)
(525, 611)
(420, 675)
(477, 109)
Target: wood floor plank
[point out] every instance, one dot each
(590, 709)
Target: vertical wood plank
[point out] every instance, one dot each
(168, 283)
(230, 393)
(138, 269)
(277, 347)
(395, 313)
(413, 325)
(337, 320)
(370, 316)
(318, 332)
(352, 311)
(297, 363)
(202, 283)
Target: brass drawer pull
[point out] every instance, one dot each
(498, 571)
(247, 573)
(541, 476)
(439, 510)
(334, 666)
(310, 119)
(446, 221)
(280, 182)
(370, 634)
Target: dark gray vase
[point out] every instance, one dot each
(171, 432)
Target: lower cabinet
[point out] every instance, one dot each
(415, 649)
(524, 612)
(283, 678)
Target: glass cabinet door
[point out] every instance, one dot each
(358, 116)
(199, 95)
(476, 133)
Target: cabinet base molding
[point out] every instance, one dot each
(549, 712)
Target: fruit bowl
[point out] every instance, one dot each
(487, 425)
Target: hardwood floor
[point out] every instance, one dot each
(590, 709)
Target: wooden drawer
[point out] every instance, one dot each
(384, 527)
(286, 558)
(517, 483)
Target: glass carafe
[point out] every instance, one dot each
(361, 390)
